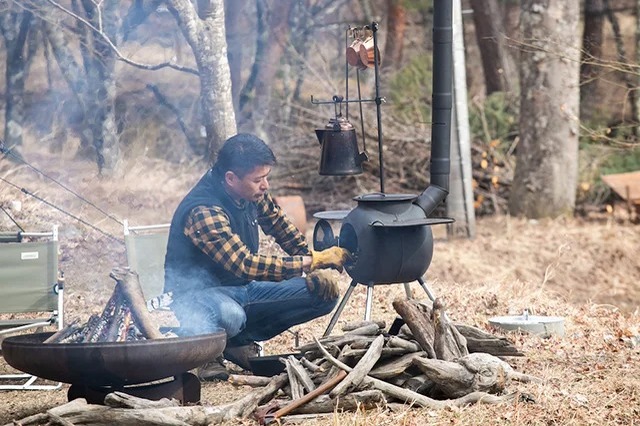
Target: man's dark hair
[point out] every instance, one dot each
(241, 154)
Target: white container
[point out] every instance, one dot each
(541, 325)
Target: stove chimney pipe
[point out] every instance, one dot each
(442, 100)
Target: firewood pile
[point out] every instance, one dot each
(430, 363)
(426, 361)
(124, 317)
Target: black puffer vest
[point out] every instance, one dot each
(187, 268)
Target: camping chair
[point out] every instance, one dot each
(30, 283)
(146, 247)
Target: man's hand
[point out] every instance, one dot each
(333, 257)
(322, 283)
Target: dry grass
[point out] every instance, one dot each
(588, 272)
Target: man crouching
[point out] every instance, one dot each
(213, 268)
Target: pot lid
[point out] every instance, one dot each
(379, 196)
(331, 214)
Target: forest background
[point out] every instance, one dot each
(115, 81)
(113, 109)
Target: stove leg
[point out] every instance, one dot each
(407, 289)
(343, 302)
(367, 309)
(426, 289)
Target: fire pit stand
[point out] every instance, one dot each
(184, 388)
(152, 369)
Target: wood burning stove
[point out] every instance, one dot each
(389, 235)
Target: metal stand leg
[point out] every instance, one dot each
(407, 289)
(343, 302)
(367, 309)
(426, 289)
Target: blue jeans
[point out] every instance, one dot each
(252, 312)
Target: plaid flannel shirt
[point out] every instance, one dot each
(210, 230)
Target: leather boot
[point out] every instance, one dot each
(213, 370)
(240, 355)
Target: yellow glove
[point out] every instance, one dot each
(322, 283)
(333, 257)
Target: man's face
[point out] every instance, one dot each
(251, 187)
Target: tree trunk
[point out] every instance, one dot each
(267, 64)
(396, 26)
(236, 27)
(545, 178)
(511, 18)
(592, 39)
(637, 56)
(496, 64)
(102, 84)
(205, 33)
(15, 26)
(71, 71)
(627, 70)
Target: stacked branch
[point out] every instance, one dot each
(430, 363)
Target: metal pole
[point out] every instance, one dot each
(343, 302)
(376, 59)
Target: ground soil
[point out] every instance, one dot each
(587, 271)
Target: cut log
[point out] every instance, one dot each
(338, 341)
(474, 372)
(123, 400)
(418, 321)
(357, 324)
(64, 333)
(399, 342)
(396, 366)
(480, 341)
(368, 399)
(362, 368)
(297, 390)
(247, 380)
(448, 343)
(300, 372)
(386, 352)
(311, 366)
(365, 330)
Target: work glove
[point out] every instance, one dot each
(333, 257)
(323, 284)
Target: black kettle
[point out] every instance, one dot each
(340, 155)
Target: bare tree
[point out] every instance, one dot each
(490, 34)
(273, 38)
(545, 179)
(15, 25)
(592, 39)
(236, 12)
(205, 32)
(396, 27)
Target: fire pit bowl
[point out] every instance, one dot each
(110, 363)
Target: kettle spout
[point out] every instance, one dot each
(320, 135)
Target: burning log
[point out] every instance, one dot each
(124, 317)
(128, 280)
